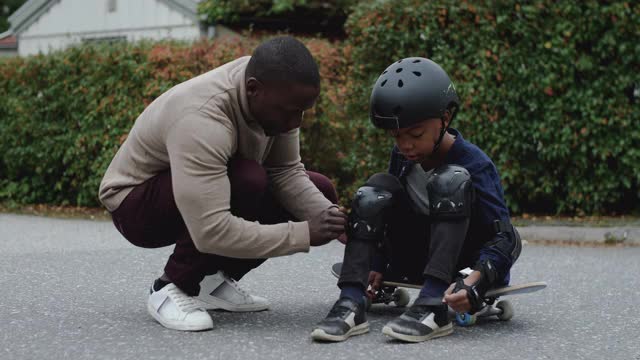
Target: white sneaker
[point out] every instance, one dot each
(218, 291)
(175, 310)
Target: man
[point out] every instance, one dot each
(213, 166)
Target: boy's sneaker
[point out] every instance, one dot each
(426, 319)
(218, 291)
(175, 310)
(346, 318)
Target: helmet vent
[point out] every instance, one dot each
(417, 73)
(400, 83)
(384, 72)
(397, 110)
(384, 82)
(399, 61)
(399, 70)
(416, 61)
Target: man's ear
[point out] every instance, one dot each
(254, 87)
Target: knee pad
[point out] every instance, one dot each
(369, 206)
(450, 192)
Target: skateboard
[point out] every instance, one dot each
(396, 292)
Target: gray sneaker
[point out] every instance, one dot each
(346, 318)
(426, 319)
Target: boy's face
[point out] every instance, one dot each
(416, 143)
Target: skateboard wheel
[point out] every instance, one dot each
(507, 310)
(465, 319)
(401, 297)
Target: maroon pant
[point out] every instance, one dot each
(148, 217)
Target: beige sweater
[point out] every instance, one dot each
(194, 129)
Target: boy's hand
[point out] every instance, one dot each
(459, 301)
(327, 226)
(375, 282)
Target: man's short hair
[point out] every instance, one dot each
(283, 60)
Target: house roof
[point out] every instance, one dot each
(8, 40)
(31, 10)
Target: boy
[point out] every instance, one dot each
(440, 209)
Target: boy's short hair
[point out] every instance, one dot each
(283, 60)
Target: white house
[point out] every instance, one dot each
(44, 25)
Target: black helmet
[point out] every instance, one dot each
(409, 91)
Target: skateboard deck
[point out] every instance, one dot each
(393, 291)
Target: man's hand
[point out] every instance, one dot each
(375, 282)
(329, 225)
(459, 301)
(343, 238)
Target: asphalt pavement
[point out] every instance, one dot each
(75, 289)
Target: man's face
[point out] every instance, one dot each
(279, 108)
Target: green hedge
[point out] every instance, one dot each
(63, 116)
(229, 11)
(550, 91)
(547, 89)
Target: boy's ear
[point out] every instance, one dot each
(447, 117)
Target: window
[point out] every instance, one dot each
(106, 39)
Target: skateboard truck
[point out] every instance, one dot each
(389, 294)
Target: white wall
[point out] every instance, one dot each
(70, 21)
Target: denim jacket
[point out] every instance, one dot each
(488, 207)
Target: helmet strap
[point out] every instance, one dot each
(453, 110)
(443, 130)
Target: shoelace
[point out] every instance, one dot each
(237, 287)
(417, 312)
(182, 301)
(338, 312)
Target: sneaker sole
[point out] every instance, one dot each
(321, 335)
(443, 331)
(219, 305)
(176, 325)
